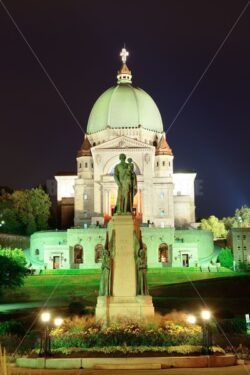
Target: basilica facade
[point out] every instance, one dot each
(124, 120)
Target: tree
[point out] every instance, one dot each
(225, 258)
(25, 211)
(17, 255)
(214, 225)
(12, 273)
(241, 218)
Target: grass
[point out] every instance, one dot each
(226, 293)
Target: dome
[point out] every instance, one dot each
(124, 106)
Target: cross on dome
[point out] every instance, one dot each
(124, 54)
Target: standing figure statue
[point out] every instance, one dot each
(105, 283)
(125, 178)
(141, 272)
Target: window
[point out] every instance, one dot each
(162, 195)
(162, 213)
(86, 165)
(244, 236)
(98, 253)
(78, 254)
(80, 165)
(157, 164)
(92, 165)
(163, 163)
(163, 253)
(179, 192)
(169, 163)
(37, 252)
(85, 196)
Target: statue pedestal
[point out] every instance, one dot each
(124, 303)
(109, 309)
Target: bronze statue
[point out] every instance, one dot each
(105, 283)
(141, 265)
(125, 178)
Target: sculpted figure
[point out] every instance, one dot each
(141, 263)
(125, 178)
(105, 283)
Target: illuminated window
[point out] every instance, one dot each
(78, 254)
(162, 195)
(98, 253)
(85, 196)
(163, 253)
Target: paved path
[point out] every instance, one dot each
(235, 370)
(8, 307)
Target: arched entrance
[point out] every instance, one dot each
(163, 253)
(98, 253)
(78, 254)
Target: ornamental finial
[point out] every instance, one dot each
(124, 54)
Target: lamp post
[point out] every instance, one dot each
(45, 340)
(206, 331)
(205, 316)
(45, 343)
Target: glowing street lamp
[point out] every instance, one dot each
(206, 314)
(45, 317)
(58, 322)
(191, 319)
(46, 343)
(207, 339)
(45, 346)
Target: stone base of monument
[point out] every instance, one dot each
(123, 233)
(109, 309)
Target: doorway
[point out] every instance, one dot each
(185, 260)
(56, 262)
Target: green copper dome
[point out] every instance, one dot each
(124, 106)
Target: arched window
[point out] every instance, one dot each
(37, 252)
(163, 253)
(78, 254)
(98, 253)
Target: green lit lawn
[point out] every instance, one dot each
(170, 288)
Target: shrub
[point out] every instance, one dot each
(11, 327)
(235, 325)
(84, 333)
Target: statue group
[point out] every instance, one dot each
(141, 274)
(125, 178)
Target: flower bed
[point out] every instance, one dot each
(131, 351)
(81, 333)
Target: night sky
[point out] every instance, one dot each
(170, 44)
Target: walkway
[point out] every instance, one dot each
(236, 370)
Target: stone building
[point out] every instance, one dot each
(124, 119)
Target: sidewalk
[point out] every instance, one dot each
(235, 370)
